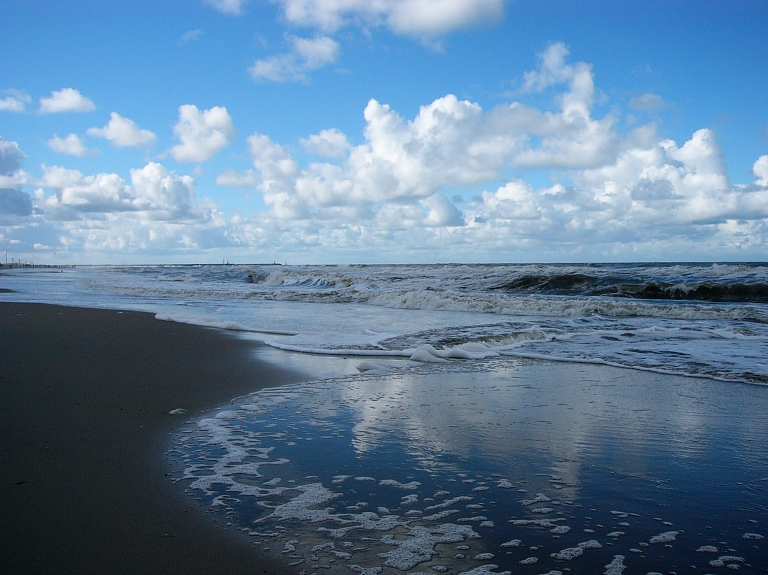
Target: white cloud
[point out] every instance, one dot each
(449, 143)
(155, 193)
(623, 190)
(155, 212)
(231, 7)
(760, 170)
(552, 69)
(441, 212)
(306, 55)
(71, 145)
(191, 36)
(66, 100)
(15, 101)
(123, 133)
(233, 179)
(412, 17)
(620, 195)
(11, 157)
(202, 134)
(328, 144)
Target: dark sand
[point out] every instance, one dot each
(85, 396)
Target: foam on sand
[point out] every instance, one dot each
(419, 547)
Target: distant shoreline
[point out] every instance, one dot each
(87, 394)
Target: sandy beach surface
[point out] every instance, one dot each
(86, 396)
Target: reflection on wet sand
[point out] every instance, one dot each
(497, 467)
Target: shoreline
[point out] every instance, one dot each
(87, 394)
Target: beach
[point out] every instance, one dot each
(86, 396)
(377, 420)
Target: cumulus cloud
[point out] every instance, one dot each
(328, 144)
(620, 189)
(155, 210)
(202, 134)
(123, 133)
(72, 145)
(450, 143)
(14, 101)
(233, 179)
(66, 100)
(11, 157)
(760, 170)
(618, 194)
(306, 55)
(15, 202)
(412, 17)
(441, 212)
(154, 193)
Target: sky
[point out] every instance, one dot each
(383, 131)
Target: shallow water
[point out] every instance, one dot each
(562, 467)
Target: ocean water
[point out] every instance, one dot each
(708, 320)
(483, 418)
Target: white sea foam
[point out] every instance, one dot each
(615, 567)
(573, 313)
(420, 544)
(666, 537)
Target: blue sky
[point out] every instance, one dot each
(330, 131)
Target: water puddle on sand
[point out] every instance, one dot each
(527, 467)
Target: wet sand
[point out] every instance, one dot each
(85, 397)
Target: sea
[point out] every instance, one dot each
(473, 419)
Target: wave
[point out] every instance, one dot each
(580, 284)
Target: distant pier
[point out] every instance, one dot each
(15, 265)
